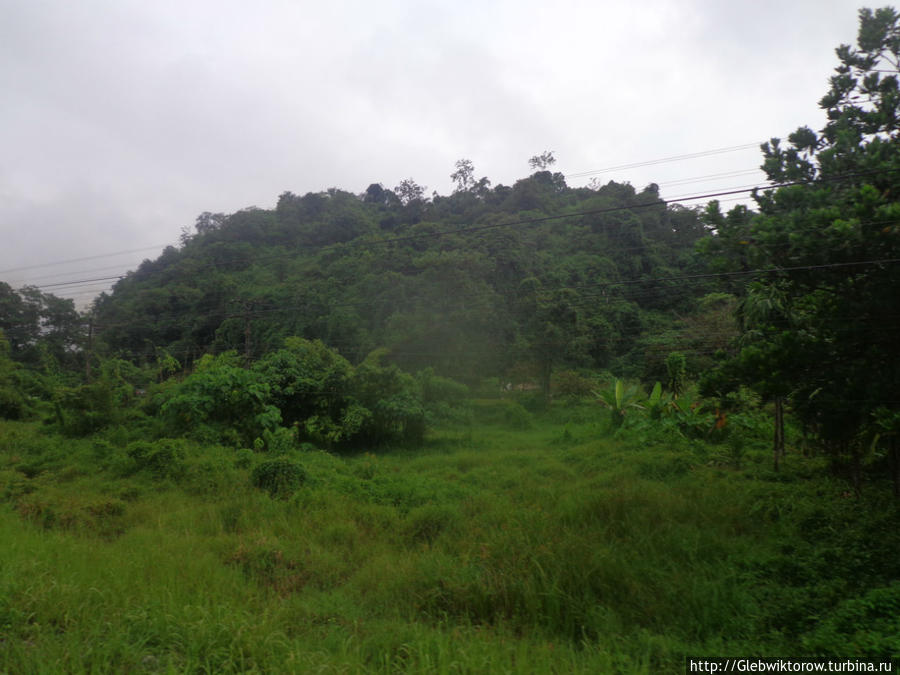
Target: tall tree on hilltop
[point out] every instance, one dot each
(464, 176)
(410, 192)
(543, 161)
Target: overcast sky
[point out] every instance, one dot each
(122, 120)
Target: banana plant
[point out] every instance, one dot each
(656, 403)
(619, 399)
(688, 409)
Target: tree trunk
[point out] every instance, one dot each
(778, 439)
(856, 467)
(894, 452)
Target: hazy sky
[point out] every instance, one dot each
(122, 120)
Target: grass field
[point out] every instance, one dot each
(533, 545)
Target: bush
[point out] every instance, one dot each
(871, 623)
(12, 405)
(443, 398)
(279, 477)
(306, 379)
(515, 416)
(162, 459)
(223, 397)
(571, 385)
(278, 442)
(88, 408)
(393, 398)
(243, 459)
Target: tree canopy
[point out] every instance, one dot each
(819, 324)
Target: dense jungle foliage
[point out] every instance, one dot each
(474, 284)
(527, 428)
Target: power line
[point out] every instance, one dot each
(78, 272)
(664, 160)
(90, 257)
(80, 281)
(712, 176)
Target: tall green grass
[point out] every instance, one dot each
(501, 547)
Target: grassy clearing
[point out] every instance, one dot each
(503, 547)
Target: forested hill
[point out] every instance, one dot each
(503, 281)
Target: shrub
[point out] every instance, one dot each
(443, 398)
(12, 405)
(515, 416)
(394, 399)
(279, 477)
(222, 396)
(570, 384)
(278, 442)
(88, 408)
(870, 623)
(243, 459)
(162, 459)
(306, 379)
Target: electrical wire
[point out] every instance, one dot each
(664, 160)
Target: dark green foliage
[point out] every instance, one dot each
(243, 459)
(515, 416)
(306, 379)
(572, 385)
(656, 402)
(833, 581)
(110, 399)
(12, 403)
(393, 401)
(278, 441)
(279, 477)
(814, 329)
(311, 386)
(444, 400)
(870, 623)
(676, 370)
(90, 407)
(40, 327)
(360, 272)
(224, 397)
(161, 459)
(322, 398)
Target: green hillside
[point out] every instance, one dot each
(481, 283)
